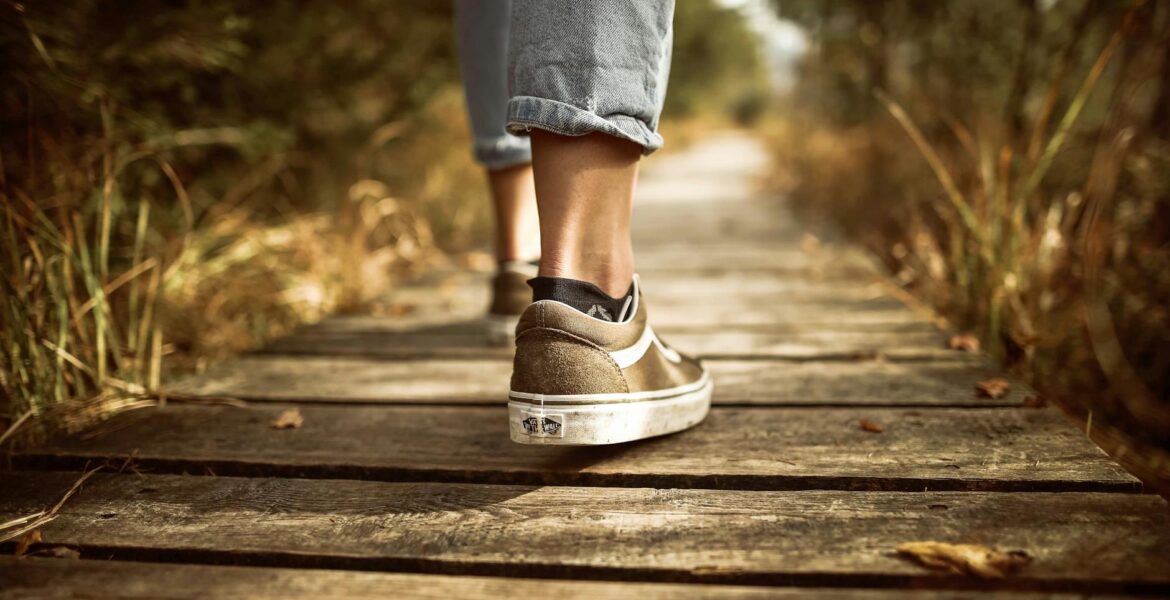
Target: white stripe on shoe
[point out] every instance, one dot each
(632, 354)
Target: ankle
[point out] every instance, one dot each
(611, 276)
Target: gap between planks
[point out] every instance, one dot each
(37, 577)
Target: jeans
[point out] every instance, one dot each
(571, 67)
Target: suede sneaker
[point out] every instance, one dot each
(581, 380)
(510, 296)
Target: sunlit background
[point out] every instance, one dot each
(182, 182)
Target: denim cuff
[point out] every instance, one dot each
(528, 112)
(502, 152)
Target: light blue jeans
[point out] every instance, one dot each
(571, 67)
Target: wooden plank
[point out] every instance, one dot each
(938, 449)
(749, 254)
(122, 580)
(466, 320)
(1081, 541)
(434, 310)
(675, 285)
(480, 381)
(467, 339)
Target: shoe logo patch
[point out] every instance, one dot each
(547, 425)
(598, 311)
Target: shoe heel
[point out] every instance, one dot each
(584, 424)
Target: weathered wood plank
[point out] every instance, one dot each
(751, 254)
(680, 286)
(52, 579)
(938, 449)
(834, 315)
(468, 340)
(465, 320)
(485, 381)
(1081, 541)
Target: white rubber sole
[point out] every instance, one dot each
(597, 419)
(501, 329)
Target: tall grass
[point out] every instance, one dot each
(1048, 241)
(76, 322)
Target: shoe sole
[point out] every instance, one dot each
(608, 419)
(501, 329)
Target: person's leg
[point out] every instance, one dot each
(587, 83)
(585, 193)
(517, 223)
(588, 80)
(482, 30)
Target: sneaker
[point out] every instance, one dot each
(510, 296)
(581, 380)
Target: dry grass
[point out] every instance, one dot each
(1052, 248)
(102, 304)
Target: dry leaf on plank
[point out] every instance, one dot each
(992, 388)
(26, 542)
(289, 419)
(965, 343)
(966, 559)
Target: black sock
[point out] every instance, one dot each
(581, 295)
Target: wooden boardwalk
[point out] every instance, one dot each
(401, 481)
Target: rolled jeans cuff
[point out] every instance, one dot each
(501, 152)
(527, 112)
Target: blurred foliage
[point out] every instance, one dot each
(181, 181)
(717, 65)
(1010, 161)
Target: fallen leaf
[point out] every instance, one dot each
(964, 343)
(289, 419)
(1035, 401)
(992, 388)
(810, 245)
(870, 426)
(62, 552)
(26, 542)
(966, 559)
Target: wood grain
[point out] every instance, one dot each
(800, 448)
(467, 339)
(485, 381)
(1080, 541)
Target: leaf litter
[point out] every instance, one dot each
(27, 541)
(964, 343)
(992, 388)
(288, 419)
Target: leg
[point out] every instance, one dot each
(585, 193)
(517, 223)
(588, 80)
(482, 29)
